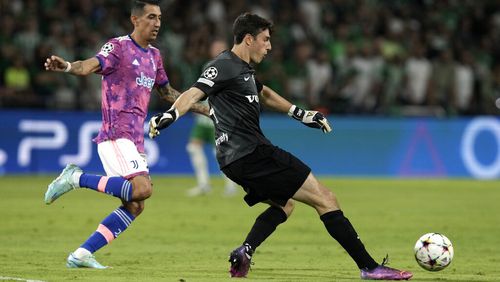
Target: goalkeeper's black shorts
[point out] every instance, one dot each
(268, 173)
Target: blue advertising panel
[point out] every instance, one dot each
(43, 142)
(420, 147)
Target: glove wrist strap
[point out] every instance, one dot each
(174, 112)
(296, 112)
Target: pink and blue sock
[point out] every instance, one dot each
(109, 229)
(116, 186)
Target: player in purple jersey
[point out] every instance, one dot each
(130, 68)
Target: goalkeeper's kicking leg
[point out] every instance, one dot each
(272, 174)
(322, 199)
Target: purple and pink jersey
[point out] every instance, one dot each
(129, 73)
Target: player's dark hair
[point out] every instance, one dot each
(249, 24)
(138, 6)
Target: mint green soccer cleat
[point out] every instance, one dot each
(86, 262)
(62, 184)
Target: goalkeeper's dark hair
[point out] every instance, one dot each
(248, 23)
(138, 6)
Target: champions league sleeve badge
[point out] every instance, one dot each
(106, 49)
(210, 73)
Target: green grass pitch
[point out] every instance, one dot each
(188, 239)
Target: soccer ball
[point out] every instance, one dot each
(433, 251)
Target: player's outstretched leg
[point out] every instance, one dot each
(62, 184)
(383, 272)
(72, 177)
(240, 259)
(340, 228)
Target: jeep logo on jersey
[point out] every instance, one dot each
(210, 73)
(145, 81)
(252, 98)
(106, 49)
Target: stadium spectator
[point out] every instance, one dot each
(17, 76)
(416, 89)
(464, 83)
(319, 74)
(492, 103)
(443, 81)
(297, 83)
(267, 173)
(18, 87)
(28, 38)
(391, 85)
(367, 66)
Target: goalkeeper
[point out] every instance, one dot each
(267, 173)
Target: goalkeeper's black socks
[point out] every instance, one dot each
(342, 230)
(264, 226)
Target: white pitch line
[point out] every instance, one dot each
(19, 279)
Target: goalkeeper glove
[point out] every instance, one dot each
(161, 121)
(312, 119)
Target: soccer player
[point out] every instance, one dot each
(130, 68)
(267, 173)
(203, 133)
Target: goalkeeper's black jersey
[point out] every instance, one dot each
(233, 97)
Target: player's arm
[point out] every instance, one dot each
(273, 100)
(169, 94)
(313, 119)
(58, 64)
(182, 104)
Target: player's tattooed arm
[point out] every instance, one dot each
(200, 109)
(169, 94)
(85, 67)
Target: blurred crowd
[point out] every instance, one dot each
(399, 57)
